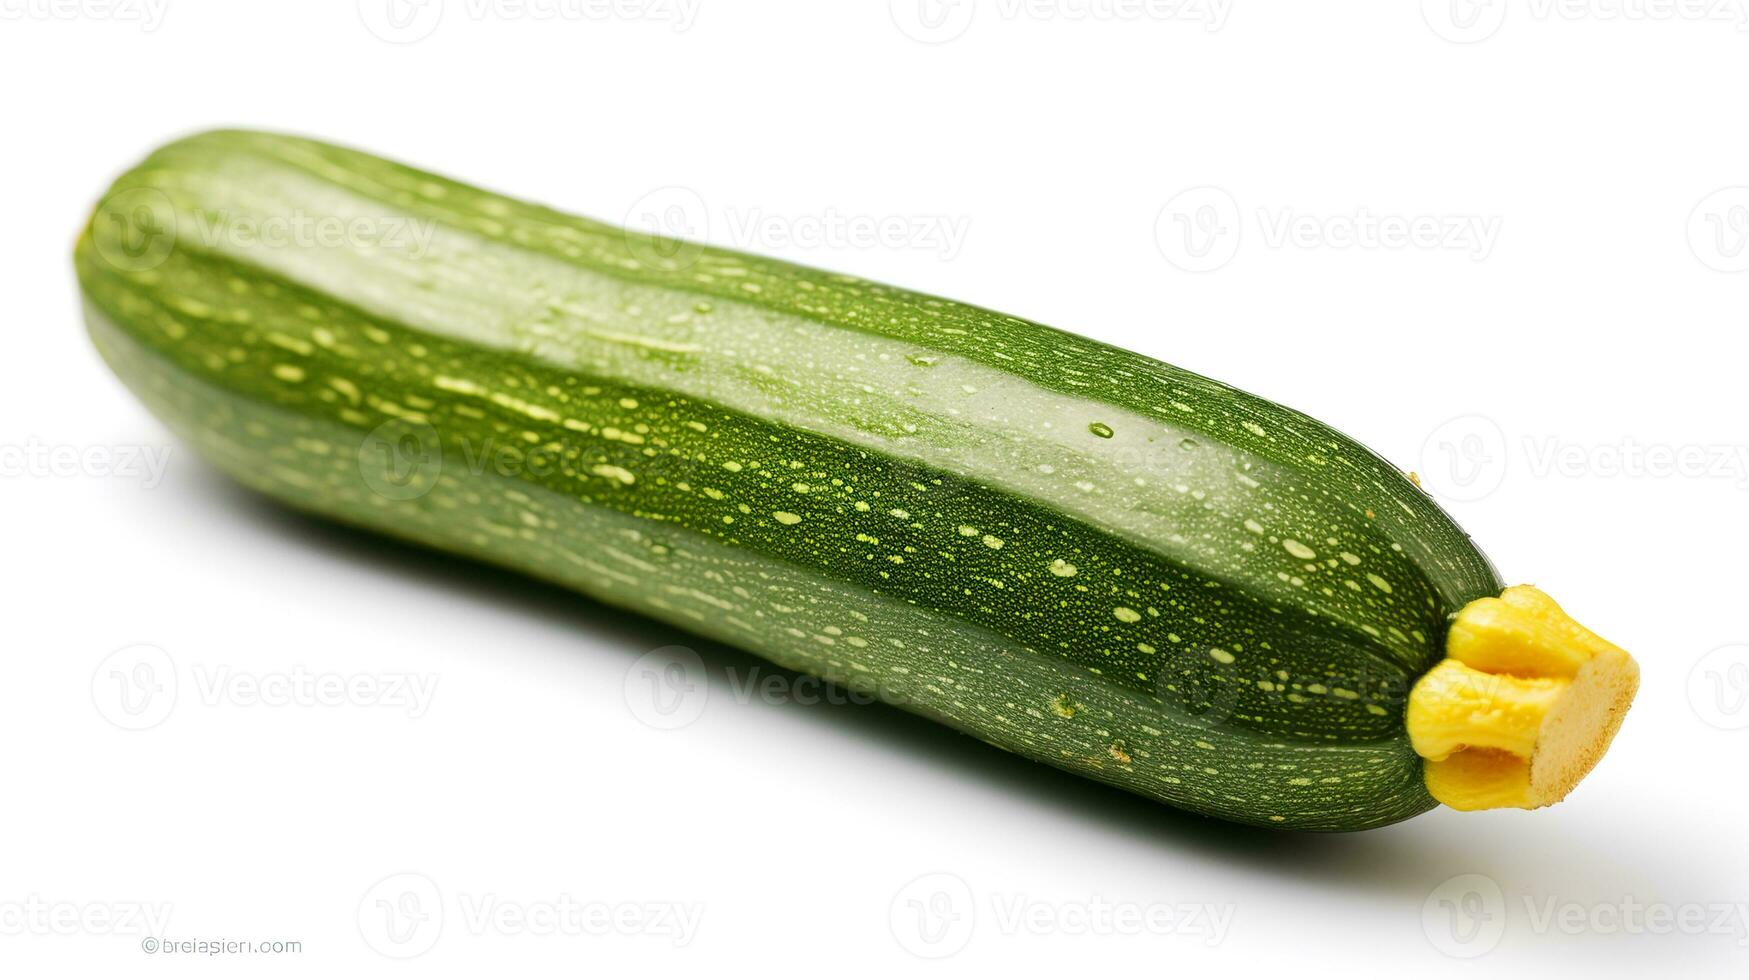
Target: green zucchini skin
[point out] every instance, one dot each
(1068, 550)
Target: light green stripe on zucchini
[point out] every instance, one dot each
(1118, 567)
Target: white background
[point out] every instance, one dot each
(1579, 314)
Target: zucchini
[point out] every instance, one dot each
(1068, 550)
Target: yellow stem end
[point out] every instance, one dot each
(1523, 708)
